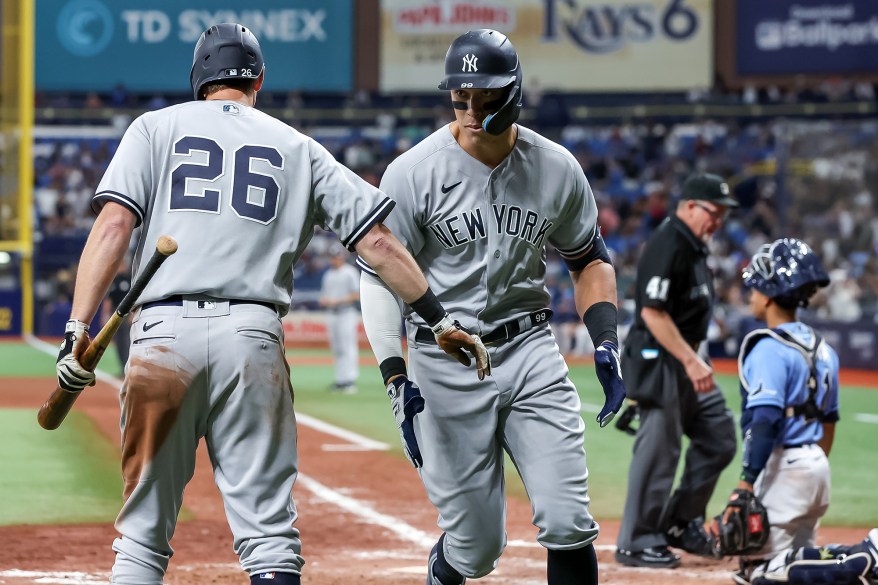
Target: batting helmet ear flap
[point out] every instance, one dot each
(503, 118)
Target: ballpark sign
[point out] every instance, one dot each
(94, 45)
(573, 45)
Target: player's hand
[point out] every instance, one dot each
(407, 402)
(453, 340)
(700, 374)
(606, 365)
(71, 375)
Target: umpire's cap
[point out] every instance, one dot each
(787, 270)
(706, 187)
(486, 59)
(225, 51)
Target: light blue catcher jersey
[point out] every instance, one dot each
(776, 374)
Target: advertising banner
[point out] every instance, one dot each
(572, 45)
(94, 45)
(791, 37)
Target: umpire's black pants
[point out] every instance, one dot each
(710, 427)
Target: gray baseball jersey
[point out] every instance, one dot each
(342, 323)
(201, 171)
(241, 192)
(479, 234)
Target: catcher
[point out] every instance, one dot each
(789, 388)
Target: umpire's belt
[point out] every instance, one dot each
(501, 334)
(177, 301)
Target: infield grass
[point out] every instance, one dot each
(70, 475)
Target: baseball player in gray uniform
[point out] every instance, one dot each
(241, 192)
(477, 202)
(339, 294)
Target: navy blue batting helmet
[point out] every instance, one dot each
(486, 59)
(787, 270)
(225, 51)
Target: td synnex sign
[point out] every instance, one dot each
(147, 45)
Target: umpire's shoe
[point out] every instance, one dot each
(658, 557)
(691, 537)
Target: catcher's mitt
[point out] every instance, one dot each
(743, 527)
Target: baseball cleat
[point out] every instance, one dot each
(658, 557)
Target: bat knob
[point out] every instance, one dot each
(166, 245)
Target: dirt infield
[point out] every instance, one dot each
(364, 520)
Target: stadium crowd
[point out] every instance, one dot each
(813, 180)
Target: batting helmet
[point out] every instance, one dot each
(225, 51)
(787, 270)
(486, 59)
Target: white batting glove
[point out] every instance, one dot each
(453, 339)
(72, 376)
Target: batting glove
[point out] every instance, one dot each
(71, 375)
(606, 365)
(453, 339)
(407, 402)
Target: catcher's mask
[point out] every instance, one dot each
(787, 270)
(225, 51)
(486, 59)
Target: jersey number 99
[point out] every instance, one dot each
(208, 200)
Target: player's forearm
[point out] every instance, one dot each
(828, 437)
(594, 292)
(595, 283)
(104, 250)
(667, 334)
(382, 320)
(391, 261)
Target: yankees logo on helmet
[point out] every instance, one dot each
(469, 64)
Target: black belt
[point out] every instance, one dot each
(501, 334)
(177, 301)
(791, 446)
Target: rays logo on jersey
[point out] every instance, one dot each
(231, 109)
(511, 220)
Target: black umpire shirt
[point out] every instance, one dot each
(672, 275)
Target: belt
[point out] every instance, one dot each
(177, 301)
(791, 446)
(501, 334)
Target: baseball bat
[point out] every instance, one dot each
(56, 407)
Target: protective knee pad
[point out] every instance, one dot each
(805, 567)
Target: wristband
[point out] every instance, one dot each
(392, 366)
(428, 308)
(749, 476)
(601, 320)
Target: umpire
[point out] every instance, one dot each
(673, 385)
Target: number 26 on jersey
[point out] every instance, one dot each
(245, 182)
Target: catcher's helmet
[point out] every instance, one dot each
(486, 59)
(787, 270)
(225, 51)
